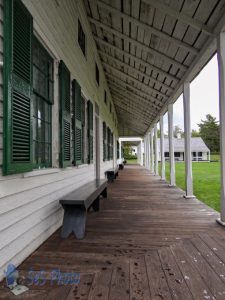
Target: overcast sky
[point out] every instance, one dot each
(204, 97)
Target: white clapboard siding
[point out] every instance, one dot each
(29, 203)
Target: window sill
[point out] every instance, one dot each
(41, 172)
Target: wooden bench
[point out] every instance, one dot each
(76, 205)
(112, 174)
(121, 166)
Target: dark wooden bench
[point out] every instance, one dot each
(121, 166)
(76, 205)
(112, 174)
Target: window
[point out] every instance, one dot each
(42, 100)
(110, 107)
(177, 154)
(199, 154)
(105, 98)
(97, 73)
(167, 154)
(81, 38)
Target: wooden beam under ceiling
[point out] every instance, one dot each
(139, 44)
(148, 28)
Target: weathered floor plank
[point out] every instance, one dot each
(147, 242)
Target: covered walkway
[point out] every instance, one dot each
(147, 242)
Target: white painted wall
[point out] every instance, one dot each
(29, 207)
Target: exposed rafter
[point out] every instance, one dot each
(131, 110)
(148, 28)
(137, 107)
(125, 93)
(139, 44)
(129, 127)
(135, 80)
(180, 16)
(135, 70)
(138, 124)
(155, 100)
(136, 59)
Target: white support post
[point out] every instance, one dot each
(147, 153)
(141, 152)
(171, 145)
(187, 141)
(120, 151)
(221, 66)
(152, 151)
(156, 150)
(145, 150)
(148, 149)
(162, 148)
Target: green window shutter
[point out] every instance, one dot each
(108, 143)
(18, 31)
(83, 127)
(104, 142)
(111, 146)
(64, 115)
(76, 96)
(90, 132)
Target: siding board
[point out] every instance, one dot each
(29, 207)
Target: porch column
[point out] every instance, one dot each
(221, 66)
(145, 150)
(156, 150)
(162, 148)
(120, 151)
(141, 152)
(187, 141)
(152, 151)
(171, 145)
(149, 151)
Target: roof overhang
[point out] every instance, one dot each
(149, 49)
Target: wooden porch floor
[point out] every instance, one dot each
(147, 242)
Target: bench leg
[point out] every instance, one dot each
(74, 220)
(96, 204)
(111, 177)
(104, 193)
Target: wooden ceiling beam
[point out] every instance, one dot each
(139, 109)
(131, 119)
(148, 28)
(156, 81)
(128, 85)
(148, 107)
(137, 59)
(124, 85)
(180, 16)
(130, 111)
(127, 94)
(139, 44)
(135, 80)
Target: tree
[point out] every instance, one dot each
(195, 133)
(209, 131)
(128, 151)
(178, 132)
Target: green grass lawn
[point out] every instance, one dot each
(131, 161)
(206, 179)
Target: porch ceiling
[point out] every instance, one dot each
(149, 48)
